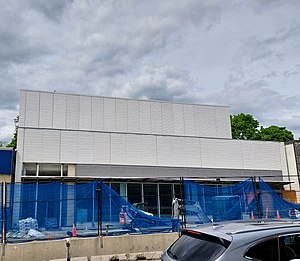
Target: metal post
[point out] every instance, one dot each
(3, 213)
(182, 208)
(99, 190)
(256, 197)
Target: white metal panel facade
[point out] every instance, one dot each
(46, 110)
(59, 111)
(97, 114)
(72, 117)
(156, 120)
(121, 115)
(50, 146)
(133, 117)
(109, 115)
(85, 112)
(69, 146)
(144, 117)
(32, 109)
(178, 119)
(102, 148)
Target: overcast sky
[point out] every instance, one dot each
(244, 54)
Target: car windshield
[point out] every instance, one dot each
(197, 246)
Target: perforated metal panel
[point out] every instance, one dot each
(156, 120)
(121, 115)
(109, 114)
(179, 155)
(133, 149)
(72, 118)
(32, 109)
(189, 123)
(118, 148)
(102, 148)
(33, 143)
(85, 113)
(69, 146)
(178, 119)
(85, 147)
(133, 116)
(59, 111)
(164, 151)
(46, 110)
(144, 116)
(97, 114)
(51, 146)
(167, 118)
(148, 150)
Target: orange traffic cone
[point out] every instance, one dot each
(278, 215)
(252, 215)
(267, 213)
(74, 234)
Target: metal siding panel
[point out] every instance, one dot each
(189, 120)
(32, 109)
(205, 121)
(109, 114)
(33, 141)
(167, 118)
(179, 151)
(133, 149)
(223, 127)
(85, 147)
(72, 112)
(85, 113)
(51, 146)
(133, 116)
(46, 110)
(22, 108)
(156, 121)
(59, 111)
(148, 150)
(69, 147)
(118, 148)
(121, 115)
(208, 157)
(102, 148)
(97, 114)
(193, 152)
(178, 118)
(145, 117)
(164, 151)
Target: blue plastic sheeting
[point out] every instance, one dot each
(273, 205)
(6, 160)
(206, 203)
(58, 210)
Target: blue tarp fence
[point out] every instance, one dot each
(205, 204)
(58, 210)
(274, 206)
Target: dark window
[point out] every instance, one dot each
(166, 197)
(265, 251)
(289, 247)
(116, 187)
(150, 197)
(199, 247)
(134, 192)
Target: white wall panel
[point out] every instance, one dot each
(72, 109)
(208, 158)
(189, 120)
(118, 148)
(164, 150)
(85, 147)
(179, 156)
(178, 119)
(109, 114)
(167, 118)
(223, 128)
(22, 108)
(97, 114)
(283, 158)
(156, 120)
(69, 146)
(133, 116)
(148, 150)
(121, 115)
(205, 122)
(59, 111)
(133, 149)
(144, 116)
(193, 152)
(102, 148)
(228, 154)
(33, 142)
(32, 109)
(51, 146)
(46, 110)
(85, 112)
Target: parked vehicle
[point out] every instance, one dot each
(244, 240)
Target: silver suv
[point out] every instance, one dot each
(259, 240)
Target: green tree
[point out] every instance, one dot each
(13, 142)
(275, 133)
(244, 127)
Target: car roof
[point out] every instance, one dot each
(249, 229)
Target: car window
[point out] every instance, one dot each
(289, 247)
(264, 251)
(197, 247)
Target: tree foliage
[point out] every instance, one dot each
(246, 127)
(13, 142)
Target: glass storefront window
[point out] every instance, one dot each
(134, 192)
(150, 198)
(165, 197)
